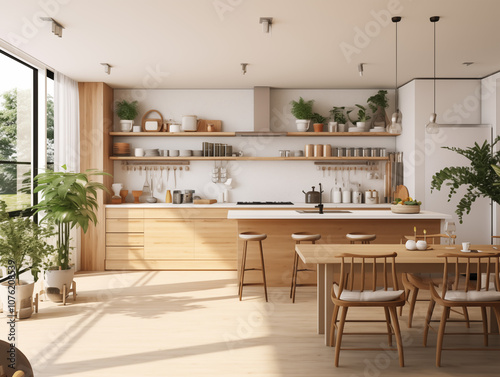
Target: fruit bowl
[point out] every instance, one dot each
(397, 208)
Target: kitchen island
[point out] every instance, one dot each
(279, 248)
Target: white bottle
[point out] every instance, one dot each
(346, 196)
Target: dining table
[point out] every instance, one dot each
(325, 256)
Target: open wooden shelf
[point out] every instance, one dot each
(230, 134)
(168, 134)
(250, 158)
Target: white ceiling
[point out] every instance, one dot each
(201, 43)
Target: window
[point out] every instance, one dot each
(18, 126)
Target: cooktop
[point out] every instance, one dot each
(264, 203)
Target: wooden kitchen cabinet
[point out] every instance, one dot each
(168, 239)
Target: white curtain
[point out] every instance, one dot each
(66, 123)
(67, 139)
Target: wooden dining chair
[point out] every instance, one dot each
(465, 294)
(414, 282)
(356, 289)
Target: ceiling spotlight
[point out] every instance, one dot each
(266, 23)
(57, 28)
(360, 68)
(244, 68)
(467, 63)
(107, 68)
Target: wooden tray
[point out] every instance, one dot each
(203, 123)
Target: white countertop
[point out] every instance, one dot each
(244, 207)
(355, 214)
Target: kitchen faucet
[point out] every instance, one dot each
(320, 205)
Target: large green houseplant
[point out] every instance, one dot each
(378, 103)
(23, 247)
(479, 178)
(69, 200)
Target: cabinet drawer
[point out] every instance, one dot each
(123, 213)
(125, 225)
(124, 239)
(168, 239)
(185, 213)
(129, 253)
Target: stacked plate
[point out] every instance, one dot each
(121, 149)
(185, 153)
(378, 129)
(151, 152)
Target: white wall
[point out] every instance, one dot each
(252, 180)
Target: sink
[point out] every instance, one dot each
(324, 211)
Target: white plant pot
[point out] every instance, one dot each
(303, 124)
(23, 297)
(54, 282)
(361, 125)
(126, 125)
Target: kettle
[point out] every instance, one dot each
(313, 196)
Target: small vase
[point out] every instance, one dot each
(421, 245)
(411, 245)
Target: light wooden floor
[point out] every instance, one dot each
(192, 324)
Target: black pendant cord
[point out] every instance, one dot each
(396, 19)
(434, 67)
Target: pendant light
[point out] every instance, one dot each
(395, 127)
(432, 127)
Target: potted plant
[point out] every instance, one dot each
(339, 119)
(302, 111)
(127, 111)
(318, 122)
(479, 178)
(362, 118)
(23, 247)
(68, 200)
(378, 103)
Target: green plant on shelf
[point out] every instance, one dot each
(337, 114)
(127, 110)
(318, 118)
(378, 100)
(362, 116)
(302, 109)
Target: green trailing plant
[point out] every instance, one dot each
(479, 178)
(68, 199)
(378, 100)
(302, 109)
(362, 116)
(127, 110)
(23, 244)
(318, 118)
(337, 114)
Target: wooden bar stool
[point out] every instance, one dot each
(364, 238)
(246, 237)
(298, 238)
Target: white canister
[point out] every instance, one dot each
(175, 128)
(337, 196)
(189, 123)
(356, 197)
(346, 196)
(136, 128)
(139, 152)
(371, 197)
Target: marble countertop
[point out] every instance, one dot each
(354, 214)
(244, 207)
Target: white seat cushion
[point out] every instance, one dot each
(368, 296)
(471, 296)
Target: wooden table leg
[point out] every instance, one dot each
(329, 273)
(320, 292)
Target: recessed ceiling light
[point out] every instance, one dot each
(266, 23)
(57, 28)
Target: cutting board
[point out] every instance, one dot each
(401, 192)
(204, 201)
(202, 125)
